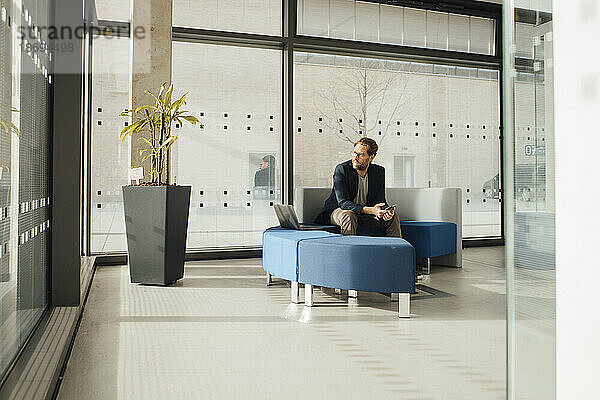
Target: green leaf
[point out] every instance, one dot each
(137, 110)
(191, 119)
(127, 130)
(147, 141)
(177, 104)
(168, 97)
(151, 94)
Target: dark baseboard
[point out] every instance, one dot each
(121, 259)
(483, 242)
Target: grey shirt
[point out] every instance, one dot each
(363, 189)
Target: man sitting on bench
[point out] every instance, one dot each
(358, 194)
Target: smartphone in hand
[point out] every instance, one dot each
(392, 207)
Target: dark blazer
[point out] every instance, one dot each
(345, 188)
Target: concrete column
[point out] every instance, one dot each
(152, 53)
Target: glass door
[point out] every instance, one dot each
(529, 196)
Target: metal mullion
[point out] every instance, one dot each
(195, 35)
(329, 18)
(395, 52)
(475, 8)
(448, 32)
(290, 10)
(469, 37)
(88, 170)
(501, 180)
(379, 23)
(354, 25)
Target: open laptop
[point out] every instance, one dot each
(288, 219)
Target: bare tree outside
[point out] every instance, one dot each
(364, 97)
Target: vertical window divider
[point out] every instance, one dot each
(289, 33)
(328, 18)
(426, 24)
(469, 40)
(379, 23)
(88, 155)
(448, 32)
(354, 33)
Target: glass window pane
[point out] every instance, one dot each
(382, 23)
(438, 130)
(531, 203)
(414, 27)
(342, 19)
(251, 16)
(113, 10)
(458, 33)
(437, 30)
(314, 17)
(367, 21)
(392, 24)
(481, 35)
(110, 159)
(24, 176)
(234, 163)
(524, 40)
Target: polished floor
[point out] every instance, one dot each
(220, 333)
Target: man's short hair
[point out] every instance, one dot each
(370, 143)
(269, 159)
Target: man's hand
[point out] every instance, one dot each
(389, 214)
(377, 210)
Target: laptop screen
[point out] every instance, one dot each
(287, 216)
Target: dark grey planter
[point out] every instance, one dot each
(156, 219)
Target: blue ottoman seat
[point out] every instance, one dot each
(430, 239)
(280, 250)
(369, 264)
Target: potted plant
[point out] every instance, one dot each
(156, 212)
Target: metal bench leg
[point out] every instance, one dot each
(269, 279)
(404, 305)
(353, 293)
(393, 296)
(428, 271)
(295, 292)
(308, 295)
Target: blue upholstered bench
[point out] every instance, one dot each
(373, 264)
